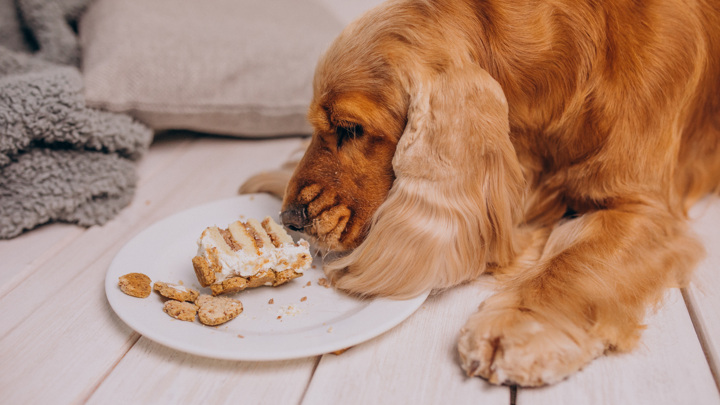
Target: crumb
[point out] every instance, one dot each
(241, 336)
(303, 299)
(180, 282)
(135, 285)
(242, 217)
(308, 284)
(324, 282)
(147, 202)
(279, 317)
(330, 330)
(289, 310)
(272, 301)
(313, 266)
(252, 197)
(339, 352)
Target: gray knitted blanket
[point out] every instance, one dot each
(59, 160)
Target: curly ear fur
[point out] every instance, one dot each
(456, 197)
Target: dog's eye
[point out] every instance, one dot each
(349, 131)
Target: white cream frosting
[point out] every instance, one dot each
(178, 287)
(243, 264)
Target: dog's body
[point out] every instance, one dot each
(555, 143)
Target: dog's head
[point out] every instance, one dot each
(410, 163)
(358, 113)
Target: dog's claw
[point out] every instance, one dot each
(526, 351)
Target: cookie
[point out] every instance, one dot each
(217, 310)
(135, 285)
(266, 277)
(184, 311)
(203, 271)
(231, 285)
(175, 292)
(285, 276)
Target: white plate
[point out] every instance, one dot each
(326, 321)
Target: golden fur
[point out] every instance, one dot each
(555, 143)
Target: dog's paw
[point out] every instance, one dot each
(514, 346)
(272, 182)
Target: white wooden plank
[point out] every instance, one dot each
(348, 10)
(164, 150)
(62, 352)
(667, 368)
(703, 294)
(57, 329)
(30, 250)
(414, 363)
(153, 374)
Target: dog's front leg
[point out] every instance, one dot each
(274, 182)
(588, 293)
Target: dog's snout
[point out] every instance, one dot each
(295, 217)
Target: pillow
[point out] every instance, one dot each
(236, 67)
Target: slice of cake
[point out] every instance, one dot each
(248, 254)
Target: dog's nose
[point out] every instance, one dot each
(295, 217)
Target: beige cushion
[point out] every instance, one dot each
(235, 67)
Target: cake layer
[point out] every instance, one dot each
(248, 254)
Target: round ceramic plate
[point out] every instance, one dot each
(301, 318)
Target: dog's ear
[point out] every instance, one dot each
(456, 198)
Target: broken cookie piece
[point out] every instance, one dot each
(135, 284)
(217, 310)
(247, 255)
(184, 311)
(175, 292)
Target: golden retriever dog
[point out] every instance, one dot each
(557, 144)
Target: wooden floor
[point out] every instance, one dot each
(60, 342)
